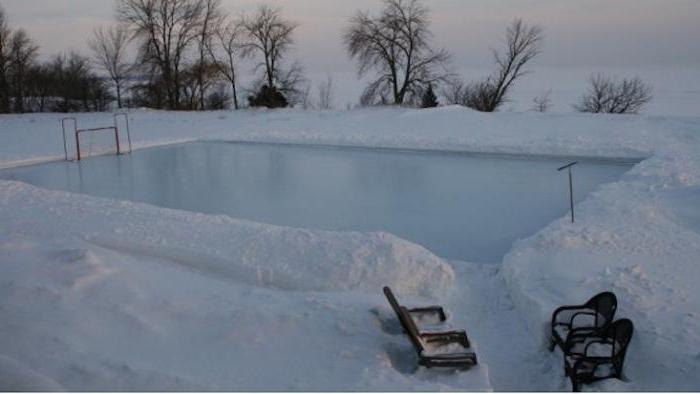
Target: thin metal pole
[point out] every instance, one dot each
(571, 196)
(128, 131)
(63, 129)
(571, 188)
(65, 143)
(116, 137)
(77, 143)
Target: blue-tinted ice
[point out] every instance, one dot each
(460, 207)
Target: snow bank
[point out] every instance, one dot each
(32, 137)
(82, 317)
(19, 378)
(104, 295)
(245, 252)
(640, 238)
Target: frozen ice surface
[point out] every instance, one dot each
(470, 208)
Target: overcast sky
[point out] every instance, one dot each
(657, 40)
(619, 33)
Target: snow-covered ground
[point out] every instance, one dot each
(98, 294)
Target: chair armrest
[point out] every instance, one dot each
(601, 341)
(580, 335)
(581, 313)
(587, 340)
(431, 309)
(585, 332)
(565, 309)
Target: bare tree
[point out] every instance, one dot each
(75, 85)
(41, 86)
(480, 95)
(211, 18)
(198, 78)
(270, 35)
(167, 29)
(5, 35)
(542, 102)
(453, 92)
(23, 53)
(396, 44)
(523, 43)
(219, 97)
(230, 40)
(109, 51)
(627, 96)
(476, 95)
(325, 93)
(304, 97)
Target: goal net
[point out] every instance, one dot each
(83, 143)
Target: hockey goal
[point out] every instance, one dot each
(88, 142)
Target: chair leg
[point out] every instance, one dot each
(575, 386)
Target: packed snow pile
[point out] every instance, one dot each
(245, 252)
(17, 377)
(639, 238)
(98, 294)
(80, 317)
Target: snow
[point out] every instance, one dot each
(244, 252)
(28, 138)
(100, 294)
(639, 238)
(95, 319)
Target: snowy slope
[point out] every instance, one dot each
(641, 239)
(100, 294)
(34, 137)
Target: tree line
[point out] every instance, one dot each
(189, 53)
(64, 83)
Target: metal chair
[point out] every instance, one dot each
(590, 318)
(594, 357)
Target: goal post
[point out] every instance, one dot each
(110, 129)
(87, 142)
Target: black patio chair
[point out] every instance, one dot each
(590, 318)
(427, 346)
(594, 357)
(432, 310)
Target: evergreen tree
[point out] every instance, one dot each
(268, 97)
(429, 99)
